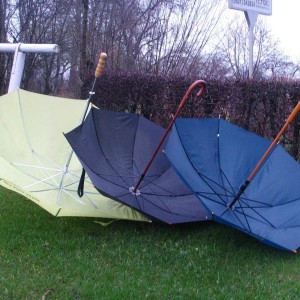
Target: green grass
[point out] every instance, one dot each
(43, 257)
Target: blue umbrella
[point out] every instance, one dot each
(120, 153)
(214, 158)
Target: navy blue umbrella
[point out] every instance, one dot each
(244, 180)
(120, 153)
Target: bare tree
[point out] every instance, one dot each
(6, 13)
(269, 59)
(164, 37)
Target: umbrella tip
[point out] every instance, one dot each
(134, 192)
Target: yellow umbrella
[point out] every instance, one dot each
(34, 152)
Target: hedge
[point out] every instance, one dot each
(258, 106)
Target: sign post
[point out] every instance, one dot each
(251, 9)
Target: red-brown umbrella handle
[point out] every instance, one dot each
(188, 93)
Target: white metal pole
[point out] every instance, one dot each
(19, 59)
(33, 48)
(17, 70)
(251, 18)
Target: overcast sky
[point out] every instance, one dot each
(285, 24)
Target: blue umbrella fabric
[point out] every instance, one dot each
(114, 148)
(214, 158)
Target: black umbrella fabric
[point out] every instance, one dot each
(214, 158)
(114, 149)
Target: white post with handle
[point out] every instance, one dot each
(20, 51)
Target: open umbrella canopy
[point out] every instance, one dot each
(34, 157)
(214, 158)
(114, 149)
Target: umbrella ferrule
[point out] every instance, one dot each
(134, 191)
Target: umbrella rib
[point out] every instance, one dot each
(85, 195)
(35, 167)
(38, 158)
(275, 205)
(231, 210)
(166, 209)
(133, 164)
(161, 201)
(148, 182)
(54, 186)
(124, 193)
(121, 194)
(219, 162)
(267, 204)
(155, 176)
(72, 196)
(235, 214)
(208, 198)
(255, 212)
(211, 193)
(245, 216)
(42, 180)
(170, 193)
(293, 200)
(201, 175)
(256, 201)
(27, 136)
(119, 166)
(217, 184)
(252, 217)
(105, 179)
(98, 140)
(232, 189)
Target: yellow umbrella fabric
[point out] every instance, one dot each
(34, 155)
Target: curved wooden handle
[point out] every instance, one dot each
(200, 83)
(100, 65)
(134, 190)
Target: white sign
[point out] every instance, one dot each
(263, 7)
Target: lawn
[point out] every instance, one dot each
(43, 257)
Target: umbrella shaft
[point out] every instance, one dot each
(183, 101)
(267, 153)
(239, 194)
(153, 156)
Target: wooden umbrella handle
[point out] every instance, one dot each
(266, 154)
(100, 65)
(294, 113)
(193, 86)
(276, 140)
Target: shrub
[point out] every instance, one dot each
(258, 106)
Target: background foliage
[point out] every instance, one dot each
(258, 106)
(160, 37)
